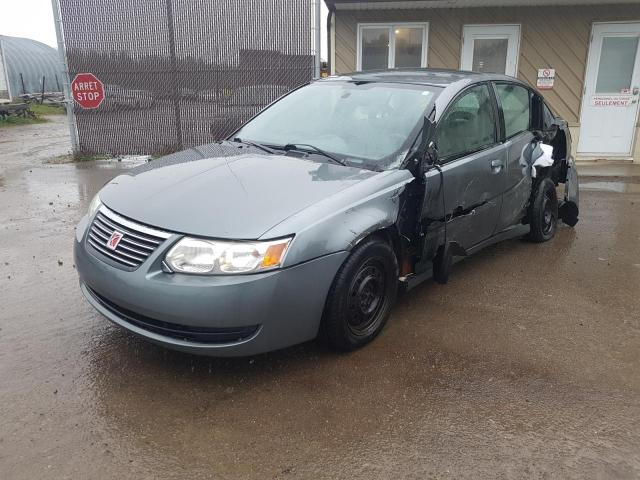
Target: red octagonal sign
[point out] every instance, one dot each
(87, 90)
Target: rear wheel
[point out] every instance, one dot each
(361, 296)
(543, 212)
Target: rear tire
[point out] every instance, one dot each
(543, 212)
(361, 296)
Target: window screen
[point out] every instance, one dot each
(516, 108)
(468, 125)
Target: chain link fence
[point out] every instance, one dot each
(179, 73)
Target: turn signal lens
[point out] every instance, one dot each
(274, 255)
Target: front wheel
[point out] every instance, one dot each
(361, 296)
(543, 212)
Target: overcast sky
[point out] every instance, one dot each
(34, 19)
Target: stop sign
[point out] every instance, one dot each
(87, 90)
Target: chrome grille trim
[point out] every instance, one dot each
(134, 226)
(114, 226)
(137, 243)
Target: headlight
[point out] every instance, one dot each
(211, 257)
(94, 206)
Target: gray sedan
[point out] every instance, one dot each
(314, 214)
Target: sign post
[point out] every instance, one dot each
(87, 90)
(71, 119)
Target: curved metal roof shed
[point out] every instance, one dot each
(34, 60)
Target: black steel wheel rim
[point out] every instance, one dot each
(548, 215)
(367, 298)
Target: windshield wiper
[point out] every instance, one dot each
(259, 146)
(294, 146)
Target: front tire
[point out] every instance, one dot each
(361, 296)
(543, 212)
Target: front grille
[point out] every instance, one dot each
(173, 330)
(136, 244)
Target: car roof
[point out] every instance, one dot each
(420, 76)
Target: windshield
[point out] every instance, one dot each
(370, 124)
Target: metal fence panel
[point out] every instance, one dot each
(179, 73)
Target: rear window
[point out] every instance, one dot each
(516, 107)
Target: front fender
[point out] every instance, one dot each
(339, 222)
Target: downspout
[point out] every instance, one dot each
(317, 39)
(330, 34)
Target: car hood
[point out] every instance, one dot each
(235, 197)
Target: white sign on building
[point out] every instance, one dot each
(546, 78)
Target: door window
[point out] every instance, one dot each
(516, 108)
(392, 45)
(490, 55)
(491, 48)
(468, 126)
(617, 59)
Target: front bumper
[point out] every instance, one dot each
(267, 311)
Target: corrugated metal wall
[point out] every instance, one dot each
(27, 62)
(552, 37)
(4, 85)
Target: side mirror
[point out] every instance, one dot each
(424, 155)
(430, 156)
(427, 145)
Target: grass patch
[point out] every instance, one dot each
(40, 111)
(47, 109)
(78, 158)
(18, 121)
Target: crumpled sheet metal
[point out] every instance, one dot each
(535, 155)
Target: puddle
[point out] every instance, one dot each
(617, 187)
(114, 163)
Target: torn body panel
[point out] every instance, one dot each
(468, 194)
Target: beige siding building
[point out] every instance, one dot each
(583, 55)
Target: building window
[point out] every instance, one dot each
(392, 45)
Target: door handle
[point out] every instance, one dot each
(496, 166)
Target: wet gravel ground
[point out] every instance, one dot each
(527, 364)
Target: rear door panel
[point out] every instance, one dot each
(517, 180)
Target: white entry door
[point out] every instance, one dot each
(491, 48)
(612, 88)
